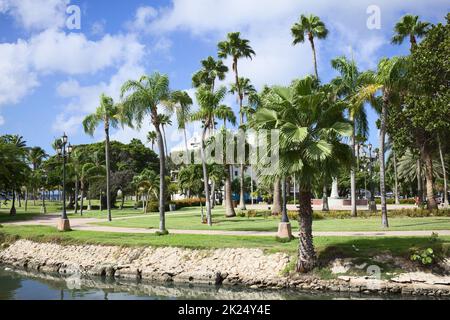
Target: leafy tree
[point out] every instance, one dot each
(425, 111)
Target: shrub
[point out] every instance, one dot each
(425, 257)
(191, 202)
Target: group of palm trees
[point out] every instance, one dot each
(313, 118)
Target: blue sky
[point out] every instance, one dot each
(51, 76)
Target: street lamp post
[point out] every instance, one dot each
(63, 223)
(44, 208)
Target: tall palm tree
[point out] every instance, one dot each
(410, 27)
(145, 97)
(245, 90)
(390, 79)
(211, 70)
(165, 121)
(36, 156)
(183, 103)
(237, 48)
(349, 84)
(151, 138)
(209, 102)
(312, 27)
(226, 114)
(309, 133)
(109, 114)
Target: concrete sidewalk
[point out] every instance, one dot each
(85, 224)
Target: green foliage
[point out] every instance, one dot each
(162, 233)
(425, 257)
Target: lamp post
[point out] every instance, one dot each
(63, 223)
(372, 203)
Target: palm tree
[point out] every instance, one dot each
(183, 103)
(89, 171)
(149, 183)
(110, 115)
(226, 114)
(390, 79)
(410, 27)
(151, 138)
(309, 134)
(145, 97)
(444, 171)
(211, 70)
(35, 156)
(164, 120)
(312, 27)
(237, 48)
(209, 103)
(349, 84)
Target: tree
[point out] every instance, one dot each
(209, 102)
(410, 27)
(144, 97)
(390, 79)
(312, 27)
(110, 115)
(211, 70)
(183, 103)
(309, 134)
(36, 156)
(189, 180)
(237, 48)
(425, 112)
(349, 85)
(151, 138)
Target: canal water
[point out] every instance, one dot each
(24, 285)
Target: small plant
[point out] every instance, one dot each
(240, 214)
(434, 237)
(425, 257)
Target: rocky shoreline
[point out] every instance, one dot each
(228, 267)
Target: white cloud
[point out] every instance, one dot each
(36, 14)
(2, 120)
(98, 28)
(16, 77)
(143, 17)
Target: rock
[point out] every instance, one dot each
(341, 266)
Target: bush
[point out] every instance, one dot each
(425, 257)
(162, 233)
(392, 201)
(192, 202)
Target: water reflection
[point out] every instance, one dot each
(24, 285)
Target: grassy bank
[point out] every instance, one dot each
(326, 246)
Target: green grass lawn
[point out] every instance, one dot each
(326, 246)
(189, 219)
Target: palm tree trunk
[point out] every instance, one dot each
(26, 200)
(213, 194)
(284, 213)
(229, 207)
(108, 172)
(306, 252)
(396, 191)
(325, 206)
(353, 175)
(82, 199)
(162, 181)
(188, 158)
(431, 201)
(313, 47)
(89, 199)
(205, 177)
(76, 195)
(444, 171)
(19, 199)
(165, 141)
(34, 197)
(384, 217)
(276, 206)
(13, 211)
(419, 181)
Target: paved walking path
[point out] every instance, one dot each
(85, 224)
